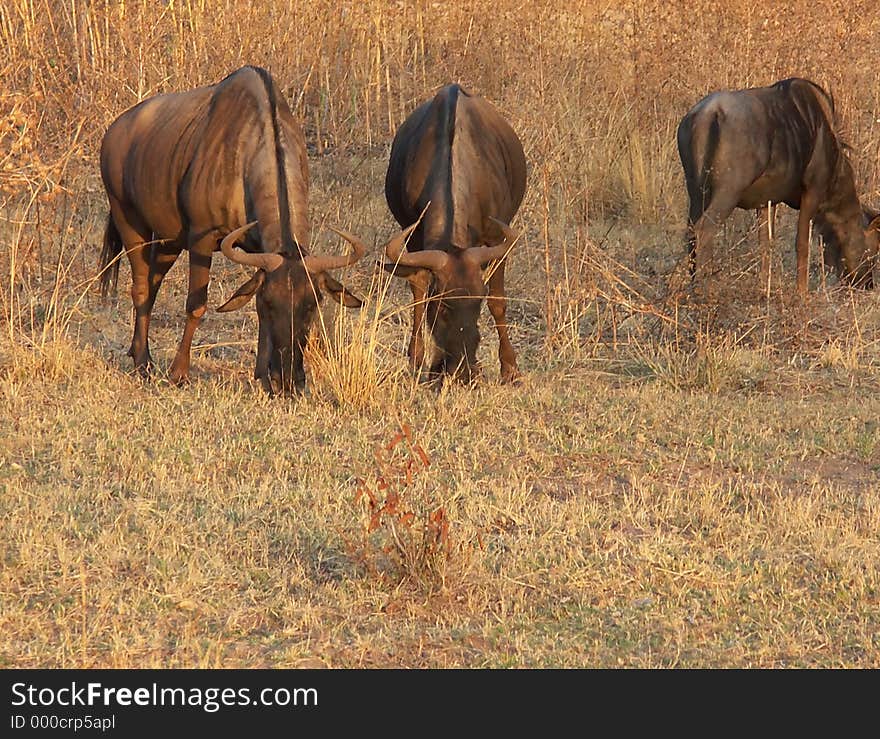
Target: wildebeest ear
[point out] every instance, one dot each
(244, 293)
(339, 292)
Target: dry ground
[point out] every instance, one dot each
(673, 484)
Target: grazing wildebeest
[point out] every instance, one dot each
(777, 144)
(460, 166)
(184, 171)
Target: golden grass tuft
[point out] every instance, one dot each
(348, 357)
(843, 354)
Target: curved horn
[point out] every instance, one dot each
(315, 263)
(267, 262)
(482, 255)
(432, 259)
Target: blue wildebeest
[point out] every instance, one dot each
(776, 144)
(460, 166)
(194, 171)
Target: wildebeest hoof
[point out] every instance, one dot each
(511, 377)
(144, 370)
(178, 376)
(431, 379)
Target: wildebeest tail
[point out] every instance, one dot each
(698, 135)
(110, 256)
(698, 144)
(710, 147)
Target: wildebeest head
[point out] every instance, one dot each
(455, 287)
(288, 288)
(852, 246)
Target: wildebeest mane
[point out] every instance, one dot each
(288, 243)
(834, 120)
(443, 166)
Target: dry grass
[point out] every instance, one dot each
(674, 484)
(351, 364)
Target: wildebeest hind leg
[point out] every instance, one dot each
(497, 302)
(196, 303)
(135, 235)
(705, 229)
(163, 257)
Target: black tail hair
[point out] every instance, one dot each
(110, 258)
(699, 184)
(708, 159)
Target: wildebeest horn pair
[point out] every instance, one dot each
(313, 263)
(439, 261)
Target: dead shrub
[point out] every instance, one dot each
(404, 532)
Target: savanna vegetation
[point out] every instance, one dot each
(674, 483)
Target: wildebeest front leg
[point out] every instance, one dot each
(419, 284)
(264, 348)
(196, 303)
(691, 251)
(809, 203)
(497, 302)
(765, 216)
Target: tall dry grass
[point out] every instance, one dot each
(594, 89)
